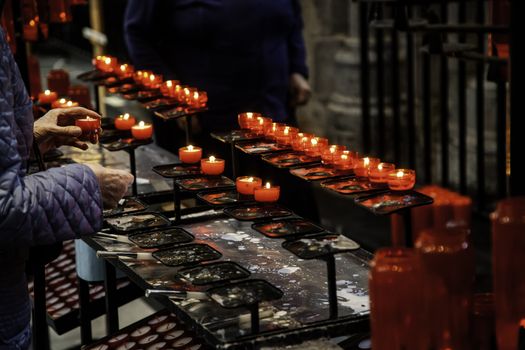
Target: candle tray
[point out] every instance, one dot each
(179, 112)
(213, 273)
(115, 81)
(161, 238)
(290, 159)
(257, 212)
(319, 246)
(319, 172)
(235, 136)
(186, 254)
(94, 75)
(126, 144)
(148, 95)
(392, 201)
(136, 222)
(352, 185)
(204, 183)
(261, 147)
(124, 89)
(126, 206)
(111, 135)
(287, 228)
(177, 170)
(223, 198)
(160, 103)
(244, 293)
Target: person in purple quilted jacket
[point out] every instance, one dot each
(47, 207)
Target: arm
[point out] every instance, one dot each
(296, 47)
(140, 21)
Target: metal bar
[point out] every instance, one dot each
(254, 319)
(444, 106)
(110, 285)
(188, 129)
(501, 126)
(40, 329)
(133, 169)
(364, 82)
(427, 125)
(407, 225)
(462, 108)
(332, 285)
(234, 159)
(516, 141)
(411, 98)
(480, 114)
(97, 98)
(176, 201)
(86, 335)
(21, 52)
(380, 88)
(396, 103)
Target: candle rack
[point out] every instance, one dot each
(186, 254)
(290, 159)
(353, 186)
(287, 228)
(320, 172)
(126, 205)
(161, 238)
(261, 147)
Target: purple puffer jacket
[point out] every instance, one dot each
(51, 206)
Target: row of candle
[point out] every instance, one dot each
(334, 155)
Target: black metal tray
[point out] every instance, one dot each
(257, 212)
(393, 201)
(287, 228)
(179, 112)
(223, 198)
(161, 238)
(352, 185)
(177, 170)
(135, 222)
(160, 103)
(244, 293)
(319, 246)
(235, 136)
(290, 159)
(125, 144)
(216, 272)
(261, 147)
(319, 172)
(94, 75)
(126, 206)
(186, 254)
(124, 89)
(200, 183)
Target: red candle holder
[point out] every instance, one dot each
(90, 128)
(379, 173)
(300, 140)
(247, 184)
(267, 194)
(272, 129)
(331, 153)
(401, 179)
(313, 148)
(344, 162)
(125, 121)
(363, 165)
(167, 88)
(190, 154)
(142, 131)
(247, 119)
(212, 166)
(153, 81)
(285, 135)
(260, 125)
(125, 71)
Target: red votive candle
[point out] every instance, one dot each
(125, 70)
(190, 154)
(47, 97)
(313, 148)
(379, 173)
(142, 131)
(90, 127)
(154, 81)
(300, 140)
(246, 119)
(267, 194)
(64, 103)
(247, 184)
(168, 87)
(125, 121)
(285, 135)
(363, 165)
(332, 153)
(272, 129)
(344, 162)
(212, 166)
(401, 179)
(260, 125)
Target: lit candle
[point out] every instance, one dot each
(299, 141)
(247, 184)
(64, 103)
(138, 76)
(153, 81)
(268, 193)
(125, 121)
(363, 165)
(343, 162)
(313, 149)
(125, 70)
(247, 119)
(271, 130)
(106, 63)
(190, 154)
(332, 153)
(167, 88)
(212, 166)
(284, 135)
(47, 97)
(379, 174)
(90, 127)
(142, 131)
(401, 179)
(261, 124)
(30, 31)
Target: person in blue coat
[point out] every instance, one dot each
(248, 55)
(47, 207)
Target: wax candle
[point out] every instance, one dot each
(212, 166)
(284, 136)
(260, 125)
(247, 119)
(200, 98)
(106, 63)
(332, 153)
(190, 154)
(401, 179)
(138, 76)
(30, 31)
(268, 193)
(142, 131)
(64, 103)
(167, 88)
(344, 162)
(154, 81)
(247, 184)
(300, 140)
(313, 148)
(271, 130)
(379, 173)
(47, 97)
(58, 80)
(145, 77)
(363, 165)
(90, 127)
(125, 71)
(125, 121)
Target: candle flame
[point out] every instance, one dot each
(169, 83)
(399, 174)
(344, 156)
(196, 95)
(189, 148)
(126, 116)
(212, 159)
(332, 149)
(186, 91)
(268, 185)
(380, 166)
(286, 131)
(366, 161)
(62, 100)
(123, 67)
(47, 92)
(250, 179)
(261, 121)
(32, 23)
(304, 139)
(107, 60)
(313, 142)
(249, 115)
(69, 103)
(152, 77)
(141, 124)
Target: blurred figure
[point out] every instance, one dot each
(248, 55)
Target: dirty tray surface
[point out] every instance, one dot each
(290, 159)
(257, 212)
(214, 273)
(177, 170)
(287, 228)
(134, 222)
(392, 201)
(161, 238)
(205, 182)
(318, 246)
(186, 254)
(244, 293)
(127, 205)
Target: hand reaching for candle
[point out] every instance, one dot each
(300, 90)
(113, 184)
(57, 128)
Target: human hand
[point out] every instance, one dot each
(57, 128)
(300, 90)
(113, 184)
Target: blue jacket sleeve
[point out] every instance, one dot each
(140, 31)
(47, 207)
(296, 47)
